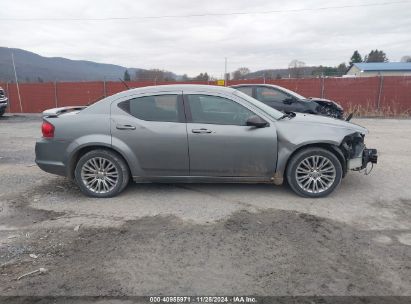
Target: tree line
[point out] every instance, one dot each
(296, 69)
(157, 75)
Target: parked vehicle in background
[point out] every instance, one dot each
(286, 100)
(197, 133)
(3, 102)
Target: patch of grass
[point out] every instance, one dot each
(370, 110)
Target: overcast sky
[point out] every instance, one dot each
(199, 44)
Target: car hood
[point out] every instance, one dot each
(326, 122)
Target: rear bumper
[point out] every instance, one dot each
(49, 157)
(52, 167)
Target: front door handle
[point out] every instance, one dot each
(125, 127)
(202, 130)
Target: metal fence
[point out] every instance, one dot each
(366, 95)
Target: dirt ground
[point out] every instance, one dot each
(208, 239)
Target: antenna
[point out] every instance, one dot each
(17, 82)
(125, 84)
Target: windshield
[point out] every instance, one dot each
(292, 93)
(263, 107)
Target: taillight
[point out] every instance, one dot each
(47, 129)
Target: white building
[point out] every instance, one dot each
(368, 69)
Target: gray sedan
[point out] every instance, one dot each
(195, 133)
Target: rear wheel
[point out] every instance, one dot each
(101, 173)
(2, 111)
(314, 172)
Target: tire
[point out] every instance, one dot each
(305, 178)
(2, 112)
(101, 173)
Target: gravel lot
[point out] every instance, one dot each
(208, 239)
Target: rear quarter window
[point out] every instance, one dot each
(153, 108)
(246, 90)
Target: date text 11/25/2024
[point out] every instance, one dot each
(203, 299)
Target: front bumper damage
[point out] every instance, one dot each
(359, 163)
(3, 103)
(356, 153)
(328, 108)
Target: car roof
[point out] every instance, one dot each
(163, 89)
(256, 84)
(182, 87)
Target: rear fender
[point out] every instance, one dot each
(128, 154)
(103, 141)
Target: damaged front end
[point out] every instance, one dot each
(356, 153)
(328, 108)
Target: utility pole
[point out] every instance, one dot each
(17, 82)
(380, 91)
(55, 93)
(322, 85)
(225, 71)
(104, 87)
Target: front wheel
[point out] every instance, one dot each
(101, 173)
(314, 172)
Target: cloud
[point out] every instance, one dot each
(199, 44)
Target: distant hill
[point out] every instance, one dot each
(280, 73)
(31, 66)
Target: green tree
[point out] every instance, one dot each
(376, 56)
(126, 76)
(155, 75)
(325, 71)
(202, 77)
(342, 69)
(355, 58)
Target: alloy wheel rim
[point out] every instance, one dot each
(99, 175)
(315, 174)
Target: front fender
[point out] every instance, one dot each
(286, 149)
(292, 137)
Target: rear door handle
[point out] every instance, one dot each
(202, 130)
(125, 127)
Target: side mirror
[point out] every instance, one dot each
(288, 100)
(256, 121)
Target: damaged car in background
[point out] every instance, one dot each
(286, 100)
(197, 134)
(3, 102)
